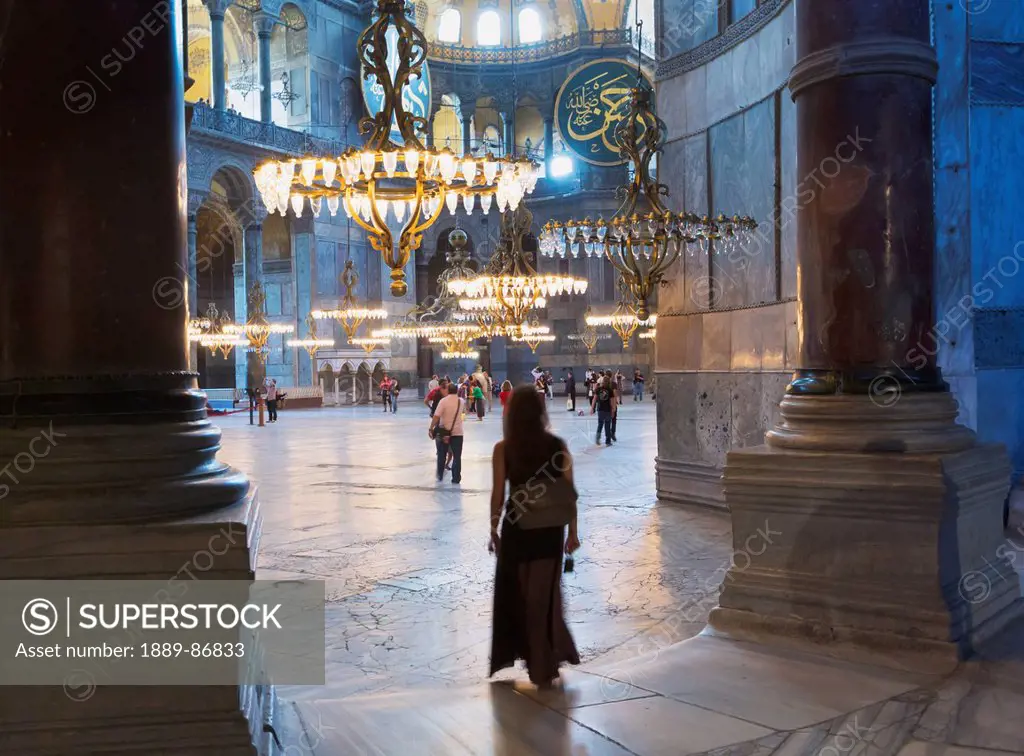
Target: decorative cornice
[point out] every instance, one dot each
(739, 32)
(900, 56)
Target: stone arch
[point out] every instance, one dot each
(237, 185)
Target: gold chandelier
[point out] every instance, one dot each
(313, 343)
(511, 286)
(624, 320)
(651, 334)
(350, 315)
(215, 332)
(370, 343)
(257, 329)
(410, 183)
(642, 246)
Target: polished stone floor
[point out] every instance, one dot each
(349, 496)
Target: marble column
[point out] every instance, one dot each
(195, 199)
(510, 138)
(252, 256)
(467, 135)
(217, 10)
(93, 310)
(549, 143)
(264, 23)
(870, 521)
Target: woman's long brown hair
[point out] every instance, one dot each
(525, 431)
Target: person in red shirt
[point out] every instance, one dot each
(436, 395)
(504, 395)
(385, 391)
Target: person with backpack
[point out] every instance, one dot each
(395, 388)
(604, 405)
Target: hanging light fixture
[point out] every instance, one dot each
(215, 332)
(413, 181)
(370, 343)
(642, 246)
(651, 334)
(313, 343)
(350, 315)
(257, 329)
(624, 320)
(511, 288)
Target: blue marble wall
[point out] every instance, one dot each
(301, 249)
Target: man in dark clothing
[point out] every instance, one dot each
(604, 404)
(570, 389)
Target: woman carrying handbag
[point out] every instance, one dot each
(528, 535)
(446, 430)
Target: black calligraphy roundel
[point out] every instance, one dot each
(591, 103)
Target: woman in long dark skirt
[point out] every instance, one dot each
(529, 622)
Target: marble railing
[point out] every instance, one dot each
(527, 53)
(236, 127)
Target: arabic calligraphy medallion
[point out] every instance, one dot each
(415, 95)
(590, 104)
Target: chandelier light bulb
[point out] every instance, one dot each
(412, 161)
(452, 200)
(367, 161)
(468, 200)
(399, 209)
(297, 200)
(390, 160)
(490, 171)
(382, 209)
(332, 204)
(446, 165)
(330, 169)
(316, 204)
(485, 203)
(308, 171)
(469, 171)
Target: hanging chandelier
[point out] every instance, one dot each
(469, 354)
(651, 334)
(370, 343)
(409, 183)
(643, 245)
(257, 329)
(215, 332)
(350, 315)
(313, 343)
(511, 287)
(624, 320)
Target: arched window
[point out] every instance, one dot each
(561, 166)
(449, 27)
(488, 29)
(529, 26)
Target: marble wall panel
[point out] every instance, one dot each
(786, 218)
(695, 197)
(671, 170)
(996, 19)
(713, 405)
(747, 421)
(952, 181)
(747, 341)
(326, 269)
(685, 24)
(997, 225)
(1000, 413)
(997, 73)
(672, 341)
(722, 98)
(758, 258)
(773, 389)
(677, 416)
(998, 339)
(792, 357)
(728, 190)
(716, 341)
(671, 107)
(773, 336)
(695, 85)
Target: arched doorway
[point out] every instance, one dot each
(218, 246)
(364, 378)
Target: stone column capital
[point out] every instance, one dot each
(264, 22)
(217, 8)
(196, 199)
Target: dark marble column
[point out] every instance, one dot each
(264, 23)
(217, 62)
(549, 143)
(467, 135)
(253, 261)
(94, 296)
(865, 210)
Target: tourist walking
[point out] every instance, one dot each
(395, 389)
(433, 384)
(478, 400)
(570, 390)
(638, 385)
(529, 618)
(616, 380)
(604, 405)
(504, 396)
(385, 391)
(446, 430)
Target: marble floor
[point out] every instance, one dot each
(349, 496)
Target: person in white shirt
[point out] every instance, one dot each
(446, 430)
(272, 400)
(433, 384)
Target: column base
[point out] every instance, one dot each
(137, 721)
(901, 553)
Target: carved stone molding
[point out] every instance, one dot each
(900, 56)
(739, 32)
